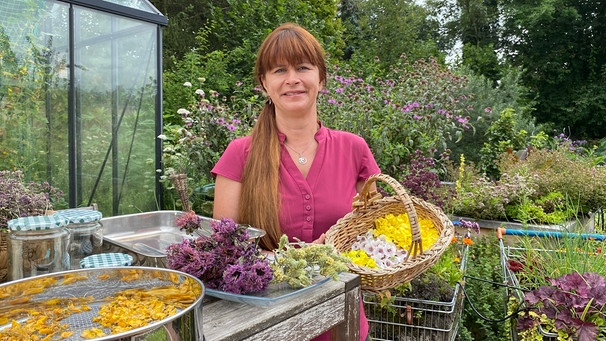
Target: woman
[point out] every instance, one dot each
(292, 175)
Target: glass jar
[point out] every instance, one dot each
(37, 245)
(86, 233)
(105, 260)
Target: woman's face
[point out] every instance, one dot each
(293, 88)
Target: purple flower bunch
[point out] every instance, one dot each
(189, 222)
(420, 178)
(226, 260)
(208, 123)
(19, 198)
(470, 226)
(431, 102)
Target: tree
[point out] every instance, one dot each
(562, 46)
(387, 29)
(185, 19)
(474, 24)
(239, 26)
(236, 21)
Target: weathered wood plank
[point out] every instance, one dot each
(349, 329)
(245, 319)
(307, 324)
(306, 315)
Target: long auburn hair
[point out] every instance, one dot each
(260, 197)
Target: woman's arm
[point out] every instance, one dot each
(227, 198)
(360, 185)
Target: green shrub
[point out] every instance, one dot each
(550, 185)
(412, 106)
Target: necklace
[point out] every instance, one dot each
(302, 159)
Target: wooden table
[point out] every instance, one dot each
(334, 305)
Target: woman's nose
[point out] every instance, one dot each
(292, 77)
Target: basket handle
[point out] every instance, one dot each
(366, 198)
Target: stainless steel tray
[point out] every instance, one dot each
(147, 235)
(76, 297)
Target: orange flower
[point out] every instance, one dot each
(467, 241)
(454, 240)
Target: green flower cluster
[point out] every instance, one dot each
(298, 264)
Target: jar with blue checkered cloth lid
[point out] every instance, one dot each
(104, 260)
(37, 245)
(86, 233)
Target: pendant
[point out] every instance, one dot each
(302, 160)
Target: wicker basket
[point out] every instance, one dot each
(369, 206)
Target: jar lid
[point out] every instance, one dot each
(80, 216)
(37, 223)
(104, 260)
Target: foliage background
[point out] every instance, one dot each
(392, 61)
(556, 47)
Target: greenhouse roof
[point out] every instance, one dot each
(143, 5)
(138, 9)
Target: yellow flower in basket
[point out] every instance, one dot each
(397, 230)
(361, 258)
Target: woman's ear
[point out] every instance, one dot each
(262, 81)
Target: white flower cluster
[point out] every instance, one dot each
(382, 251)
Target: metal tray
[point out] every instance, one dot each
(146, 236)
(275, 293)
(76, 297)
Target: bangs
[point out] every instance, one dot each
(292, 50)
(292, 46)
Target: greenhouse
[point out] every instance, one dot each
(81, 99)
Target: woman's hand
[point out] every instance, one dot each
(320, 240)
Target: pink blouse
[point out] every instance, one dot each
(310, 206)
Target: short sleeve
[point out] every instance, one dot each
(368, 164)
(231, 163)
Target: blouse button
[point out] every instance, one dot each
(308, 218)
(307, 196)
(308, 207)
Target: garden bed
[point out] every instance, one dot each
(587, 224)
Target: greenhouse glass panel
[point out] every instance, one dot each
(115, 79)
(34, 89)
(80, 101)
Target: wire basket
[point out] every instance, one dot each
(508, 253)
(369, 206)
(408, 319)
